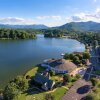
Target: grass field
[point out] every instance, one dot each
(33, 71)
(57, 94)
(36, 95)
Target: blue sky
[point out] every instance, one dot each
(48, 12)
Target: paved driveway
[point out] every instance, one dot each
(80, 89)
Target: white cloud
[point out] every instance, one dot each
(49, 17)
(54, 20)
(85, 17)
(95, 0)
(46, 20)
(42, 17)
(98, 10)
(56, 17)
(15, 20)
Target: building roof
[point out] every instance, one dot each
(62, 65)
(78, 53)
(43, 79)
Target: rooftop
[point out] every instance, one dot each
(62, 64)
(43, 79)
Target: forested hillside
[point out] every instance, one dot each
(16, 34)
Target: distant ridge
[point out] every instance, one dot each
(72, 26)
(81, 26)
(40, 26)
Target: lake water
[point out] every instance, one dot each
(18, 56)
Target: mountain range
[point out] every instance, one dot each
(39, 26)
(81, 26)
(76, 26)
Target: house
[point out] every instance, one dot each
(59, 65)
(44, 82)
(80, 53)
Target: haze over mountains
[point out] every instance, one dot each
(76, 26)
(39, 26)
(82, 26)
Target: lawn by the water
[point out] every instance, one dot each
(33, 71)
(57, 94)
(35, 95)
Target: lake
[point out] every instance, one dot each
(18, 56)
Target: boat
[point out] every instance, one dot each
(62, 54)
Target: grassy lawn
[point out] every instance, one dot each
(57, 94)
(33, 71)
(69, 85)
(56, 78)
(36, 95)
(40, 96)
(97, 72)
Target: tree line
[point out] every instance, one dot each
(90, 38)
(54, 32)
(17, 34)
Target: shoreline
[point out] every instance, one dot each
(37, 65)
(30, 67)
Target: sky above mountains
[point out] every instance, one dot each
(48, 12)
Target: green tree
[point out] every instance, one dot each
(23, 36)
(94, 81)
(95, 43)
(89, 97)
(66, 56)
(52, 73)
(11, 91)
(15, 88)
(67, 78)
(80, 56)
(92, 97)
(16, 34)
(22, 83)
(78, 76)
(76, 60)
(71, 56)
(84, 61)
(86, 55)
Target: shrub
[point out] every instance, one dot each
(74, 79)
(84, 61)
(79, 56)
(96, 90)
(86, 55)
(52, 73)
(71, 56)
(94, 81)
(67, 78)
(15, 87)
(76, 60)
(90, 97)
(49, 97)
(28, 77)
(78, 76)
(66, 56)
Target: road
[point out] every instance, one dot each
(83, 84)
(80, 89)
(94, 64)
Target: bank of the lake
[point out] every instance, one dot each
(18, 56)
